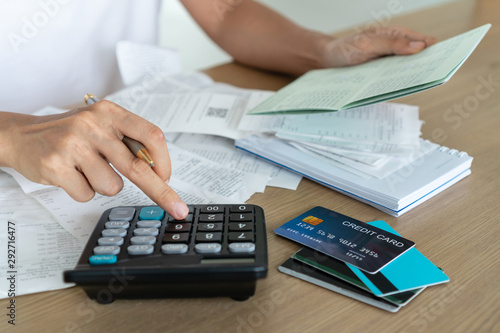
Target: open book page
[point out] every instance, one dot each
(432, 64)
(318, 91)
(341, 88)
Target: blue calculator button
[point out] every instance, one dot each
(102, 259)
(151, 213)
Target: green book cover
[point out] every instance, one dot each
(383, 79)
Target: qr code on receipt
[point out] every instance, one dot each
(217, 112)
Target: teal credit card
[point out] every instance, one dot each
(307, 273)
(340, 270)
(362, 245)
(409, 271)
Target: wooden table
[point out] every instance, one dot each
(458, 229)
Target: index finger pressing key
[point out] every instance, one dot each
(150, 180)
(156, 189)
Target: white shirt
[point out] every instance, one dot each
(53, 52)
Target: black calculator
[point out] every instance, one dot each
(142, 252)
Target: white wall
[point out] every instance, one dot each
(178, 30)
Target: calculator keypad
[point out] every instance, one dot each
(224, 230)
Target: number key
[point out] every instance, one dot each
(211, 237)
(211, 217)
(241, 237)
(212, 209)
(187, 219)
(241, 217)
(178, 227)
(210, 227)
(175, 238)
(241, 209)
(242, 226)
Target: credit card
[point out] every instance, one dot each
(340, 270)
(307, 273)
(409, 271)
(364, 246)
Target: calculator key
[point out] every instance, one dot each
(211, 217)
(107, 249)
(209, 237)
(102, 259)
(114, 232)
(187, 219)
(151, 213)
(117, 225)
(110, 241)
(146, 232)
(241, 209)
(178, 227)
(212, 209)
(209, 226)
(241, 247)
(149, 224)
(174, 248)
(143, 240)
(140, 249)
(175, 237)
(240, 236)
(208, 248)
(121, 214)
(241, 226)
(243, 217)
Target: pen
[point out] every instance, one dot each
(135, 146)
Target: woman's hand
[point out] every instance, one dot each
(74, 150)
(374, 43)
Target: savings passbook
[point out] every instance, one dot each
(364, 246)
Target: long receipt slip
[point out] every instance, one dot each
(362, 245)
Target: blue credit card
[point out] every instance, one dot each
(409, 271)
(364, 246)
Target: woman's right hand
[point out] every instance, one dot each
(74, 150)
